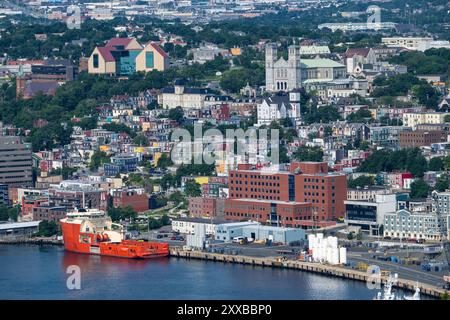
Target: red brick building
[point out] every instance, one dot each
(273, 212)
(31, 202)
(421, 138)
(202, 207)
(135, 198)
(306, 192)
(49, 213)
(325, 191)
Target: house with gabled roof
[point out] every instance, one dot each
(125, 56)
(357, 58)
(152, 57)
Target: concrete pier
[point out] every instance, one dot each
(38, 241)
(324, 269)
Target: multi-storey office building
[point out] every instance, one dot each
(4, 196)
(296, 197)
(15, 162)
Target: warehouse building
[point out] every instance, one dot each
(227, 231)
(18, 228)
(188, 225)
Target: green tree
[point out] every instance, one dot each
(176, 114)
(192, 188)
(164, 161)
(436, 164)
(447, 163)
(361, 181)
(4, 215)
(410, 160)
(141, 140)
(442, 184)
(362, 115)
(119, 128)
(48, 229)
(419, 189)
(7, 213)
(87, 123)
(304, 153)
(98, 159)
(120, 213)
(165, 220)
(177, 197)
(235, 79)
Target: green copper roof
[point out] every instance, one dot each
(320, 63)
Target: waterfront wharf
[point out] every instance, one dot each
(38, 241)
(324, 269)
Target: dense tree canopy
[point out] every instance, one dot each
(419, 189)
(304, 153)
(410, 160)
(120, 213)
(361, 181)
(192, 188)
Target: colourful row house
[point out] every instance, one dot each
(125, 56)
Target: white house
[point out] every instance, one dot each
(279, 106)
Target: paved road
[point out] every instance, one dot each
(410, 273)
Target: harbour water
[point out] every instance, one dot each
(39, 272)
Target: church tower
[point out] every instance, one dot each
(294, 71)
(21, 82)
(271, 58)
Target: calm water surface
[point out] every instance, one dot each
(39, 272)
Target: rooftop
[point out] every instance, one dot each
(201, 220)
(17, 225)
(321, 63)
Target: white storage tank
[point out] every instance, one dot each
(334, 256)
(333, 242)
(343, 255)
(329, 255)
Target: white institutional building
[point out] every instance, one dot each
(280, 106)
(282, 75)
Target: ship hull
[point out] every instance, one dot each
(86, 243)
(153, 256)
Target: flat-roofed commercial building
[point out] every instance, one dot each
(419, 138)
(290, 198)
(15, 162)
(18, 229)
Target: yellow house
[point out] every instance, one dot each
(152, 57)
(235, 51)
(156, 157)
(201, 180)
(101, 61)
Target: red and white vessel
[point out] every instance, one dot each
(91, 231)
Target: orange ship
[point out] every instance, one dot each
(92, 231)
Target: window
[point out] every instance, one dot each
(149, 63)
(95, 60)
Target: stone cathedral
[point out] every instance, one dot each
(282, 75)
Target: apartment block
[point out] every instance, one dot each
(412, 119)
